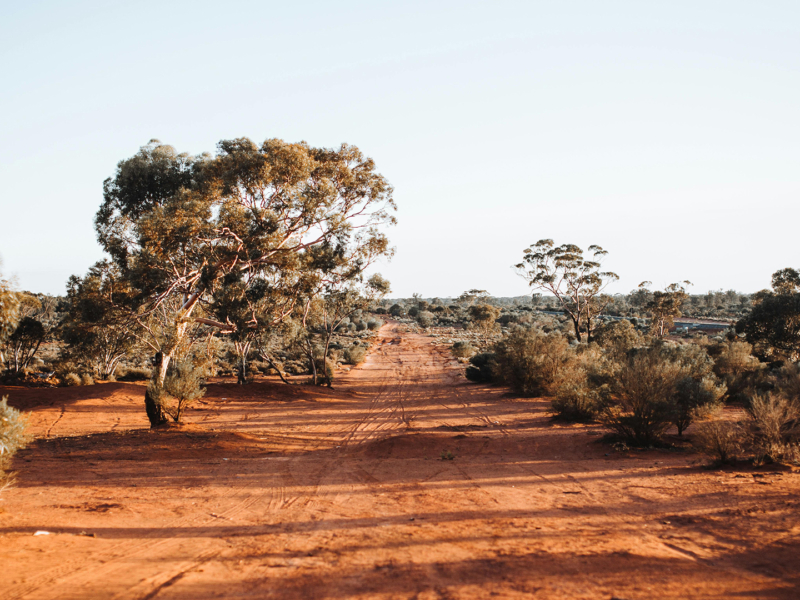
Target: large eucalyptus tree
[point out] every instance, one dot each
(268, 220)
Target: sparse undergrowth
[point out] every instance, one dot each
(12, 438)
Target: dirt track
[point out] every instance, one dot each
(282, 491)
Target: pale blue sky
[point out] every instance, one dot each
(666, 132)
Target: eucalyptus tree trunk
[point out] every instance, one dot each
(152, 401)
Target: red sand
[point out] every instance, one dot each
(276, 491)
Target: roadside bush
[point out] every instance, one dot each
(617, 338)
(642, 405)
(462, 349)
(721, 440)
(71, 379)
(583, 385)
(355, 355)
(576, 401)
(133, 374)
(87, 379)
(696, 399)
(481, 368)
(183, 385)
(425, 318)
(12, 438)
(374, 324)
(775, 428)
(531, 361)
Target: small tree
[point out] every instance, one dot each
(664, 307)
(773, 324)
(576, 282)
(183, 385)
(96, 328)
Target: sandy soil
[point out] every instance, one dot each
(276, 491)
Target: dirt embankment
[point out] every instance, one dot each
(276, 491)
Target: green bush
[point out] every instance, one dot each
(775, 428)
(582, 384)
(182, 384)
(530, 361)
(481, 368)
(642, 406)
(133, 374)
(355, 355)
(721, 440)
(576, 401)
(12, 437)
(425, 318)
(374, 324)
(71, 379)
(462, 349)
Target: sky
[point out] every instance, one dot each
(666, 132)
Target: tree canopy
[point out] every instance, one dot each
(270, 220)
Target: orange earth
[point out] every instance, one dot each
(277, 491)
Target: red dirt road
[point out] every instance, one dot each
(278, 491)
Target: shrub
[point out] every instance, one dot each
(425, 318)
(183, 385)
(696, 398)
(617, 338)
(133, 374)
(374, 324)
(462, 349)
(413, 312)
(642, 407)
(481, 368)
(87, 379)
(355, 355)
(583, 385)
(530, 361)
(576, 401)
(721, 440)
(775, 428)
(12, 438)
(71, 379)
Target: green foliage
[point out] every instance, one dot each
(271, 223)
(775, 423)
(642, 408)
(658, 387)
(481, 368)
(182, 384)
(9, 311)
(97, 328)
(530, 361)
(355, 355)
(582, 385)
(721, 440)
(12, 436)
(773, 324)
(425, 318)
(71, 379)
(577, 283)
(484, 316)
(664, 307)
(617, 338)
(463, 349)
